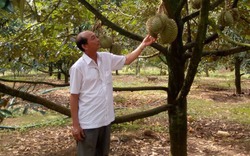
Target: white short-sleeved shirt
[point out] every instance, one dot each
(93, 83)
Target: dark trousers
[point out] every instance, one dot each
(96, 142)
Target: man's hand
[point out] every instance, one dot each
(132, 56)
(148, 40)
(78, 133)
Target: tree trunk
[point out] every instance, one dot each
(237, 74)
(178, 114)
(66, 80)
(59, 74)
(178, 128)
(180, 82)
(59, 67)
(50, 69)
(137, 70)
(206, 71)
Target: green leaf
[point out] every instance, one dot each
(8, 6)
(2, 3)
(5, 112)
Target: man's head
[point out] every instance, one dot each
(87, 41)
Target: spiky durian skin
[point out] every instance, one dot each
(105, 41)
(154, 25)
(225, 18)
(170, 32)
(116, 48)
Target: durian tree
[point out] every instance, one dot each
(42, 31)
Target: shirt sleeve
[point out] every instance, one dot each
(76, 78)
(117, 62)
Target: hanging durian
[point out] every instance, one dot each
(105, 41)
(235, 13)
(170, 31)
(166, 27)
(164, 18)
(116, 49)
(161, 24)
(196, 4)
(225, 18)
(154, 25)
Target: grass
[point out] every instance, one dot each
(35, 120)
(239, 112)
(221, 82)
(143, 71)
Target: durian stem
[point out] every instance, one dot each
(161, 9)
(227, 38)
(227, 4)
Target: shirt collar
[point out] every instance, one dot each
(88, 60)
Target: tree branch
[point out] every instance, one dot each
(180, 6)
(141, 115)
(113, 26)
(140, 88)
(36, 82)
(235, 3)
(197, 52)
(210, 38)
(36, 99)
(227, 38)
(226, 52)
(150, 56)
(195, 14)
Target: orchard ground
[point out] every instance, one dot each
(218, 122)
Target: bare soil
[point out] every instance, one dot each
(206, 136)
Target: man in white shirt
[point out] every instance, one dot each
(91, 93)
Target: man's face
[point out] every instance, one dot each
(93, 43)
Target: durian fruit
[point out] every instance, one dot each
(164, 18)
(170, 31)
(196, 4)
(161, 24)
(225, 18)
(235, 13)
(105, 41)
(116, 49)
(228, 18)
(154, 25)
